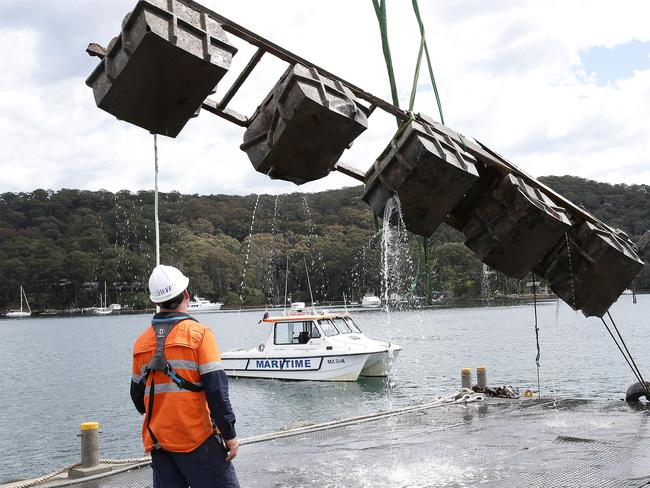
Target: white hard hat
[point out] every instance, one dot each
(165, 283)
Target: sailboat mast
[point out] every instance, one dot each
(26, 301)
(21, 298)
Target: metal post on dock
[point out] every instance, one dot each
(481, 376)
(89, 453)
(466, 377)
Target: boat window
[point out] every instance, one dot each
(328, 327)
(352, 325)
(315, 333)
(292, 332)
(341, 325)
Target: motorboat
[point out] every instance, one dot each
(22, 313)
(320, 346)
(199, 305)
(371, 301)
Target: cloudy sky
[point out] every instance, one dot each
(559, 87)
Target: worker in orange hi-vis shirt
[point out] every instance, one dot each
(179, 385)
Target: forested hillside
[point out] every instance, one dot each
(63, 246)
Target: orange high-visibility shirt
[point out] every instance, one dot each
(181, 419)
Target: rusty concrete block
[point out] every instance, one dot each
(428, 171)
(167, 59)
(513, 227)
(303, 126)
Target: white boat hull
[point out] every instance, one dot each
(205, 309)
(315, 368)
(102, 311)
(380, 363)
(18, 315)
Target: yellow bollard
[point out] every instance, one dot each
(89, 453)
(466, 377)
(481, 376)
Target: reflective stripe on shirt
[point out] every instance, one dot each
(183, 364)
(169, 388)
(210, 367)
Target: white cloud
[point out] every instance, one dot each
(509, 74)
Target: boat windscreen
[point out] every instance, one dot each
(352, 325)
(341, 325)
(328, 327)
(292, 332)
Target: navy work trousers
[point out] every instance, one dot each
(204, 467)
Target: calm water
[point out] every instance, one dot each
(57, 373)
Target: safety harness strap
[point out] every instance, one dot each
(162, 326)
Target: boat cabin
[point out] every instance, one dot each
(300, 328)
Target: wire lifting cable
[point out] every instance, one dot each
(155, 198)
(628, 357)
(539, 389)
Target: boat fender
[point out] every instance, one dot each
(260, 348)
(636, 391)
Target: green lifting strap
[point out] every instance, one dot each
(380, 11)
(423, 44)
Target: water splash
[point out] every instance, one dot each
(317, 261)
(397, 262)
(486, 292)
(242, 286)
(271, 268)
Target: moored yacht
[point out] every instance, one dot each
(22, 313)
(199, 305)
(371, 301)
(313, 346)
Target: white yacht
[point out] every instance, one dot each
(371, 301)
(313, 346)
(18, 314)
(103, 309)
(199, 305)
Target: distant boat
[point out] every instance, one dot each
(627, 291)
(199, 305)
(17, 314)
(103, 309)
(371, 301)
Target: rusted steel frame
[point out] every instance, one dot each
(212, 106)
(241, 78)
(285, 55)
(350, 171)
(480, 151)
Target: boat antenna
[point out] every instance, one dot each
(286, 281)
(309, 284)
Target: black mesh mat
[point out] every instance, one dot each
(498, 443)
